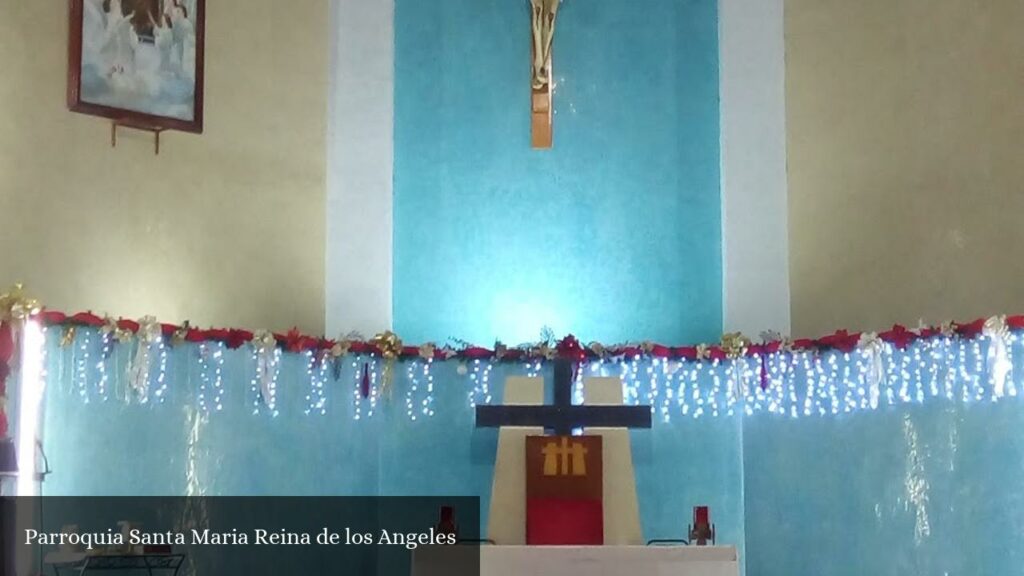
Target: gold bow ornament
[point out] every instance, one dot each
(735, 345)
(390, 346)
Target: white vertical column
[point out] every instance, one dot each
(360, 155)
(755, 247)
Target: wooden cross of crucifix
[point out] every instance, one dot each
(542, 13)
(561, 417)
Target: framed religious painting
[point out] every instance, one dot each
(138, 62)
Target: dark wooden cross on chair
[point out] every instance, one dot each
(561, 417)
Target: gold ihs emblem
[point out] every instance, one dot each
(565, 458)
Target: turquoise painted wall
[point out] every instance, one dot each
(612, 235)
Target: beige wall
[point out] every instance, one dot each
(226, 228)
(906, 160)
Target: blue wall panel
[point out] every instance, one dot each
(615, 233)
(833, 468)
(932, 489)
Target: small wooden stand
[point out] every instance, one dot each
(155, 130)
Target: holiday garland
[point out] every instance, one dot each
(15, 309)
(389, 346)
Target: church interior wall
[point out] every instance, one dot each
(614, 233)
(905, 127)
(220, 229)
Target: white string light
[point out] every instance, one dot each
(82, 365)
(161, 377)
(803, 383)
(101, 365)
(357, 390)
(316, 371)
(254, 382)
(211, 377)
(412, 374)
(204, 378)
(428, 402)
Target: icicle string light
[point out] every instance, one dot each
(800, 383)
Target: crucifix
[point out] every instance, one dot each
(561, 416)
(543, 14)
(565, 502)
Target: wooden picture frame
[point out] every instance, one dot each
(138, 62)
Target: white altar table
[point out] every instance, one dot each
(581, 560)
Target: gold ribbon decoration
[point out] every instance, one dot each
(67, 338)
(735, 345)
(16, 307)
(390, 346)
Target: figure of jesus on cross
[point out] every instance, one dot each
(542, 16)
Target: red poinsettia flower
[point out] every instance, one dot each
(86, 319)
(972, 329)
(570, 349)
(237, 338)
(841, 340)
(804, 344)
(764, 348)
(295, 341)
(475, 353)
(514, 354)
(898, 336)
(129, 325)
(659, 351)
(52, 317)
(627, 351)
(361, 347)
(217, 335)
(685, 352)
